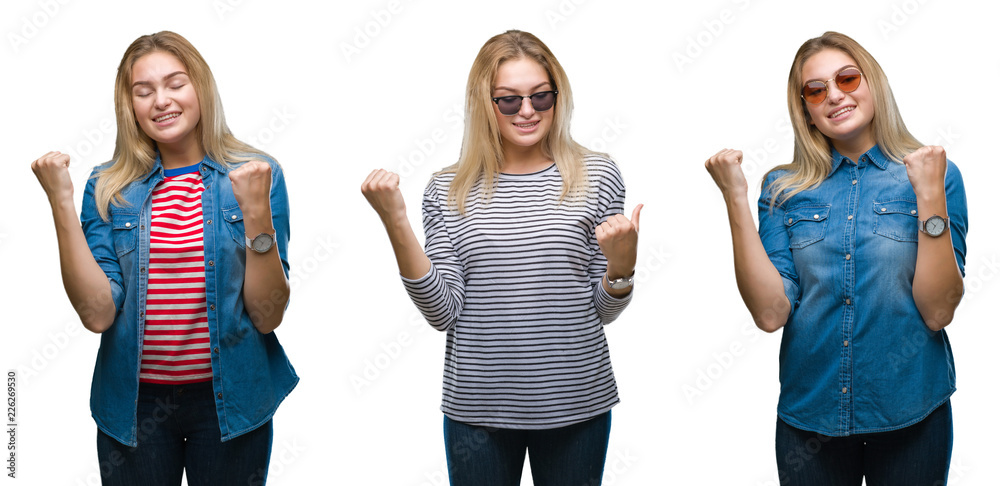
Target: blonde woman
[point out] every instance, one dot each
(181, 265)
(859, 259)
(527, 257)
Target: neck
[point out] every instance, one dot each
(180, 155)
(524, 160)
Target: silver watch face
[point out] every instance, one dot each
(935, 225)
(262, 242)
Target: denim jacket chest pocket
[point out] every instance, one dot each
(806, 224)
(124, 225)
(896, 219)
(234, 221)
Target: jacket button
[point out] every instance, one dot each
(220, 394)
(234, 217)
(844, 390)
(211, 307)
(142, 269)
(208, 222)
(211, 263)
(216, 350)
(128, 225)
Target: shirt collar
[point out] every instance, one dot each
(873, 155)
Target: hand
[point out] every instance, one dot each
(727, 173)
(252, 189)
(926, 169)
(52, 171)
(381, 189)
(618, 238)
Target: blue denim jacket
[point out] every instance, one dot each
(250, 373)
(856, 356)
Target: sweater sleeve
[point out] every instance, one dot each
(440, 294)
(610, 193)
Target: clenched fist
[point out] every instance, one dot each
(381, 189)
(52, 171)
(926, 168)
(618, 238)
(727, 173)
(252, 188)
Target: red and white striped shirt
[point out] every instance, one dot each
(175, 346)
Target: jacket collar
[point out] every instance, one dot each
(205, 162)
(873, 155)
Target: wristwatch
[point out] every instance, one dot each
(934, 226)
(620, 283)
(260, 243)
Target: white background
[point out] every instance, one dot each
(698, 383)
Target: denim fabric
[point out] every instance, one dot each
(917, 455)
(855, 354)
(565, 456)
(179, 433)
(250, 373)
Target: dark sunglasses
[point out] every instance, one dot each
(541, 101)
(848, 80)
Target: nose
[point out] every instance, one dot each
(527, 109)
(833, 93)
(162, 99)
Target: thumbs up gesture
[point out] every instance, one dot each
(618, 238)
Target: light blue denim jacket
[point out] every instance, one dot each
(856, 356)
(250, 373)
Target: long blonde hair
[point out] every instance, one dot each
(135, 152)
(811, 159)
(482, 150)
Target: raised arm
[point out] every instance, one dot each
(263, 199)
(434, 278)
(88, 287)
(937, 281)
(760, 284)
(381, 189)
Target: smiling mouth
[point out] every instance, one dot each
(526, 125)
(841, 111)
(168, 116)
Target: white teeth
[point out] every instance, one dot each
(166, 117)
(526, 125)
(841, 111)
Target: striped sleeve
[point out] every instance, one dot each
(440, 294)
(611, 201)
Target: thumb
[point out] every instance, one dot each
(635, 217)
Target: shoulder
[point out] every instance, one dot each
(603, 171)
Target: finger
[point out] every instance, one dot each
(371, 177)
(635, 217)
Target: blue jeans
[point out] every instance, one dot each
(178, 430)
(917, 455)
(486, 456)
